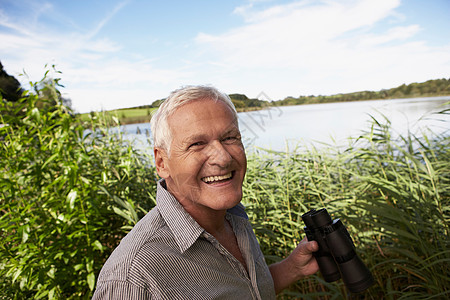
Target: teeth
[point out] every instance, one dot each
(216, 178)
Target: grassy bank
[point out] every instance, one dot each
(137, 115)
(67, 198)
(124, 116)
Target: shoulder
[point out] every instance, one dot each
(130, 270)
(124, 256)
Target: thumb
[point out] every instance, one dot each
(306, 248)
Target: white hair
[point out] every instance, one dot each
(162, 136)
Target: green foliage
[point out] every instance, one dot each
(67, 197)
(393, 196)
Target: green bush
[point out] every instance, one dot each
(67, 196)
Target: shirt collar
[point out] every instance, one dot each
(183, 226)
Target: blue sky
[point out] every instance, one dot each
(115, 54)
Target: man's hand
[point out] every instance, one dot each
(298, 264)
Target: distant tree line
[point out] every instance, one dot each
(436, 87)
(242, 102)
(155, 104)
(430, 88)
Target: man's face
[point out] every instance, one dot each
(206, 164)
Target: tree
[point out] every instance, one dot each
(157, 103)
(10, 88)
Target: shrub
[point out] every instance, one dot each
(67, 197)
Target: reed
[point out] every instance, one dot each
(392, 194)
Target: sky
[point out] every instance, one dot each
(116, 54)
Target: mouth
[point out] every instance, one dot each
(217, 178)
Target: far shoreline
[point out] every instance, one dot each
(145, 117)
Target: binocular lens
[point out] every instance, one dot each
(321, 218)
(355, 275)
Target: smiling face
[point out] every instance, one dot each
(206, 164)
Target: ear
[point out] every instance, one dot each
(161, 162)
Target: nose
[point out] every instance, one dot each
(218, 155)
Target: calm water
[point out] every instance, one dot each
(281, 128)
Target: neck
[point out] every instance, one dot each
(213, 221)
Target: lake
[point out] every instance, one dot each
(284, 128)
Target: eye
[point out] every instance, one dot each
(231, 139)
(196, 144)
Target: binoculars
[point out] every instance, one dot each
(336, 256)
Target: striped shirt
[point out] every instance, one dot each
(168, 255)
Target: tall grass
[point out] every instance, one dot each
(393, 196)
(68, 195)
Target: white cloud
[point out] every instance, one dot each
(300, 48)
(94, 73)
(285, 35)
(393, 34)
(325, 47)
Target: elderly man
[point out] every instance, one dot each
(197, 242)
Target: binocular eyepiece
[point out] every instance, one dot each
(336, 256)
